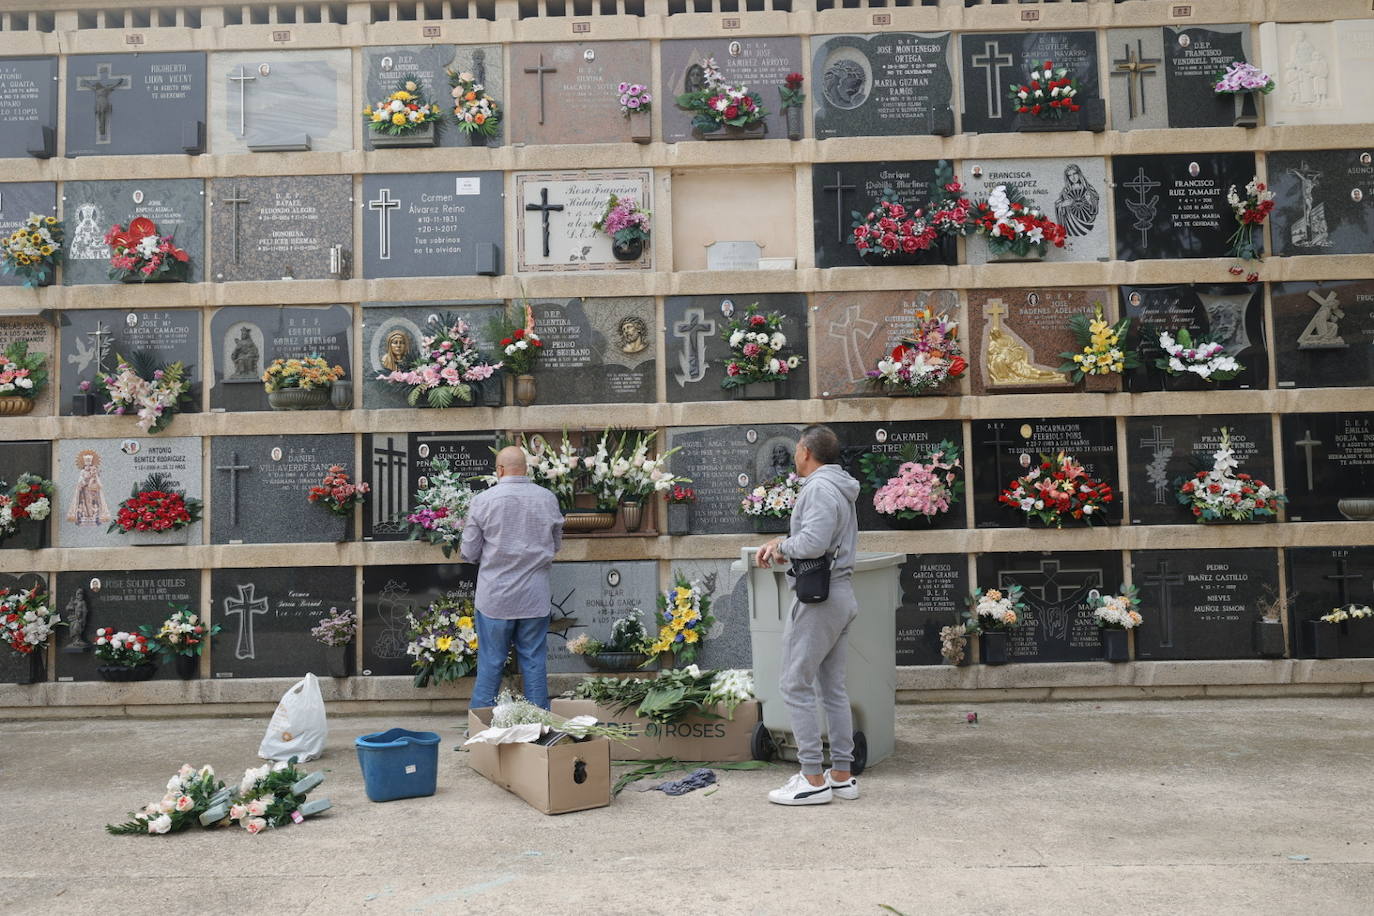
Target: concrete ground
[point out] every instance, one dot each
(1209, 806)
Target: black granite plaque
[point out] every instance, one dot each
(89, 208)
(28, 107)
(587, 598)
(246, 339)
(93, 340)
(1057, 624)
(398, 462)
(596, 351)
(894, 441)
(1323, 333)
(119, 601)
(390, 594)
(1328, 464)
(840, 189)
(267, 615)
(994, 61)
(697, 351)
(891, 83)
(13, 665)
(26, 457)
(934, 595)
(393, 334)
(1321, 579)
(1003, 450)
(722, 462)
(135, 104)
(261, 484)
(1193, 58)
(1174, 206)
(1201, 604)
(1323, 201)
(1163, 452)
(432, 224)
(1232, 314)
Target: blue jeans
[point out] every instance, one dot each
(494, 638)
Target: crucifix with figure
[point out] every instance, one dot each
(102, 86)
(235, 200)
(383, 205)
(838, 189)
(541, 70)
(693, 333)
(992, 62)
(243, 79)
(544, 208)
(246, 605)
(1135, 68)
(1162, 578)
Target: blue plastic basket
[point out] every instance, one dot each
(398, 763)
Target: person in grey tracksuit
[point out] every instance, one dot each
(814, 641)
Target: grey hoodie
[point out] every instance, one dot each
(823, 519)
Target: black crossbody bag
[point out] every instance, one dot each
(811, 578)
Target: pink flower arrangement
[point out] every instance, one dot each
(142, 253)
(623, 221)
(449, 361)
(633, 98)
(924, 487)
(337, 493)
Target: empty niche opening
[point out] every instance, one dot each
(555, 8)
(15, 22)
(338, 13)
(676, 7)
(729, 6)
(701, 6)
(634, 7)
(259, 15)
(286, 15)
(114, 19)
(732, 205)
(139, 19)
(233, 15)
(433, 10)
(381, 12)
(582, 7)
(405, 12)
(312, 14)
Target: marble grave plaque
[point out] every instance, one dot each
(386, 66)
(1163, 452)
(390, 595)
(842, 189)
(1003, 450)
(1232, 314)
(135, 104)
(564, 92)
(93, 340)
(118, 600)
(856, 329)
(12, 664)
(392, 335)
(896, 440)
(1323, 201)
(267, 101)
(935, 591)
(1321, 68)
(297, 227)
(599, 351)
(587, 598)
(246, 339)
(432, 224)
(1323, 578)
(25, 456)
(728, 643)
(885, 84)
(1018, 335)
(1328, 463)
(1323, 333)
(90, 208)
(1057, 624)
(267, 614)
(556, 213)
(397, 465)
(1072, 192)
(1163, 77)
(93, 476)
(20, 199)
(993, 61)
(41, 338)
(28, 107)
(697, 351)
(260, 488)
(757, 63)
(1174, 206)
(1201, 604)
(724, 461)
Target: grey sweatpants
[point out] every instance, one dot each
(814, 645)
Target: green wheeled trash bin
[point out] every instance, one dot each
(870, 669)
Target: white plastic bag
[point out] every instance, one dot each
(298, 728)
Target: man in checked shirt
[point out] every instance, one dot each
(512, 533)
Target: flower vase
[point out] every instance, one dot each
(1249, 111)
(170, 538)
(1011, 257)
(897, 523)
(584, 520)
(992, 647)
(34, 669)
(641, 128)
(1115, 645)
(1269, 638)
(794, 122)
(770, 524)
(618, 662)
(632, 250)
(341, 395)
(755, 131)
(334, 528)
(489, 392)
(12, 405)
(632, 514)
(1356, 509)
(476, 138)
(298, 398)
(30, 535)
(187, 666)
(425, 135)
(336, 660)
(760, 391)
(124, 673)
(525, 390)
(679, 519)
(1322, 639)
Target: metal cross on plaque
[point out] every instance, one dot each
(541, 70)
(544, 208)
(1307, 443)
(838, 189)
(235, 201)
(1135, 68)
(243, 80)
(384, 204)
(103, 85)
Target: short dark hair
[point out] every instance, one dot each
(822, 443)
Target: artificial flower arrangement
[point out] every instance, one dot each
(27, 621)
(624, 221)
(474, 111)
(953, 643)
(772, 498)
(155, 394)
(404, 111)
(446, 367)
(677, 494)
(923, 486)
(756, 349)
(1013, 226)
(337, 628)
(1058, 490)
(1101, 347)
(512, 709)
(892, 229)
(1222, 494)
(441, 509)
(1049, 93)
(337, 493)
(190, 793)
(156, 506)
(182, 633)
(443, 641)
(634, 98)
(924, 360)
(684, 621)
(1185, 354)
(142, 253)
(22, 374)
(558, 471)
(628, 636)
(1250, 212)
(33, 250)
(718, 104)
(993, 610)
(30, 499)
(521, 346)
(272, 795)
(307, 373)
(1242, 77)
(791, 91)
(673, 695)
(1348, 612)
(628, 471)
(1117, 612)
(121, 649)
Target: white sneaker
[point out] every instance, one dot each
(797, 791)
(848, 790)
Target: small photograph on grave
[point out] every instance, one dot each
(26, 494)
(27, 366)
(1057, 624)
(267, 615)
(757, 65)
(248, 340)
(28, 121)
(998, 66)
(911, 473)
(1164, 453)
(912, 340)
(20, 200)
(1166, 77)
(1196, 337)
(734, 219)
(297, 227)
(1323, 333)
(568, 92)
(1021, 338)
(1328, 464)
(400, 468)
(394, 335)
(1175, 206)
(700, 350)
(726, 644)
(595, 351)
(123, 602)
(726, 464)
(1013, 488)
(1320, 68)
(22, 668)
(135, 104)
(1322, 582)
(588, 598)
(844, 194)
(1201, 604)
(281, 101)
(885, 84)
(171, 209)
(578, 221)
(432, 224)
(98, 479)
(935, 591)
(392, 595)
(1071, 193)
(261, 489)
(1323, 201)
(431, 75)
(96, 342)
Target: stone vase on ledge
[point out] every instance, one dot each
(756, 131)
(1115, 645)
(170, 538)
(679, 519)
(423, 136)
(992, 647)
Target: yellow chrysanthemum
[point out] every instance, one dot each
(689, 636)
(443, 643)
(465, 623)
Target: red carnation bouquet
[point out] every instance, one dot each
(142, 253)
(520, 346)
(1057, 490)
(337, 493)
(156, 506)
(1049, 93)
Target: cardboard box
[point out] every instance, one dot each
(693, 738)
(571, 776)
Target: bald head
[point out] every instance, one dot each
(511, 460)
